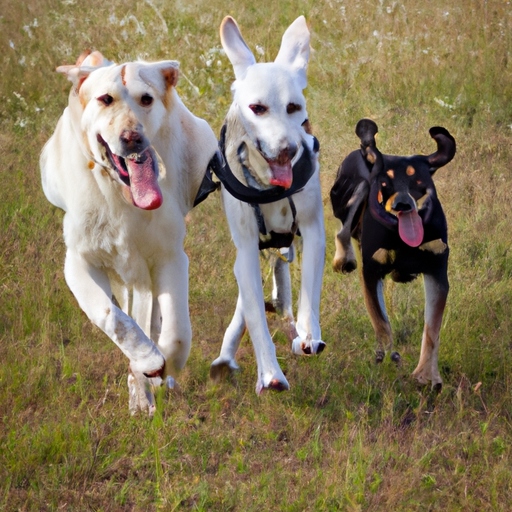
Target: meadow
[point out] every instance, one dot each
(349, 435)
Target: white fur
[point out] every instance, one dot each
(275, 85)
(112, 245)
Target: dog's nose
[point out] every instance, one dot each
(287, 154)
(403, 203)
(132, 140)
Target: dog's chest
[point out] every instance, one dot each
(118, 243)
(278, 216)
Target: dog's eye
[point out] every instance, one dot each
(291, 108)
(146, 100)
(106, 99)
(258, 109)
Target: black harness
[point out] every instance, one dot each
(302, 172)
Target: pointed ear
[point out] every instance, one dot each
(237, 51)
(169, 69)
(294, 51)
(446, 148)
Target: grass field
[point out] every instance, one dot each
(349, 435)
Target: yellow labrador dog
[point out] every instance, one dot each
(125, 163)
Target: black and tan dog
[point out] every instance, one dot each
(389, 205)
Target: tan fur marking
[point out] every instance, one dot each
(123, 71)
(90, 165)
(82, 57)
(307, 127)
(370, 157)
(379, 196)
(171, 76)
(411, 171)
(389, 203)
(383, 256)
(391, 173)
(422, 199)
(434, 246)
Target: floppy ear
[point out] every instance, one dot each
(237, 51)
(294, 51)
(169, 69)
(94, 59)
(86, 63)
(366, 130)
(446, 148)
(76, 74)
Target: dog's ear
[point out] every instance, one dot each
(366, 130)
(446, 148)
(294, 51)
(76, 74)
(237, 51)
(94, 59)
(151, 73)
(86, 63)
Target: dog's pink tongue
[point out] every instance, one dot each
(410, 228)
(282, 174)
(143, 182)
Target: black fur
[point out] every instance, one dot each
(371, 195)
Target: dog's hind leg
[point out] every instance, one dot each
(282, 290)
(436, 293)
(226, 363)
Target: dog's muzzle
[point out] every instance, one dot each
(138, 172)
(399, 211)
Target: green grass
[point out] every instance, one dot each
(349, 435)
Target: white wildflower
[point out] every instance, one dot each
(439, 101)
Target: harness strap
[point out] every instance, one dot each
(302, 172)
(273, 239)
(207, 185)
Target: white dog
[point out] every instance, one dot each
(125, 163)
(271, 191)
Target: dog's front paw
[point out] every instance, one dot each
(424, 376)
(222, 368)
(140, 393)
(275, 382)
(308, 347)
(345, 260)
(345, 266)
